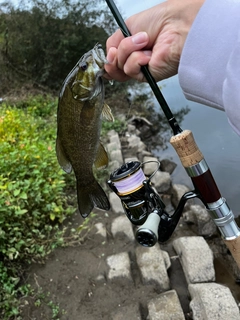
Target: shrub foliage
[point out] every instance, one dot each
(32, 197)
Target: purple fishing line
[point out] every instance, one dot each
(131, 182)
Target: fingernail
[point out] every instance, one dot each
(147, 53)
(140, 37)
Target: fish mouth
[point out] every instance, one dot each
(99, 56)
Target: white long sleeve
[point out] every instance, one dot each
(209, 70)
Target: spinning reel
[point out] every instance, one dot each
(143, 205)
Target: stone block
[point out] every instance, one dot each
(178, 192)
(115, 139)
(114, 165)
(116, 155)
(153, 264)
(133, 142)
(212, 301)
(112, 146)
(141, 147)
(146, 153)
(150, 167)
(167, 165)
(165, 307)
(111, 133)
(121, 224)
(131, 128)
(196, 258)
(162, 181)
(119, 266)
(205, 224)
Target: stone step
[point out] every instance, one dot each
(153, 264)
(166, 306)
(196, 258)
(119, 266)
(212, 301)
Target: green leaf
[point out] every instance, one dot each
(16, 192)
(52, 216)
(21, 211)
(23, 195)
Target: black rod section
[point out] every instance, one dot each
(158, 94)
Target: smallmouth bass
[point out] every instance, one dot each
(80, 108)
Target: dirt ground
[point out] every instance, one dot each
(72, 284)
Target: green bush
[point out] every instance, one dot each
(10, 292)
(31, 183)
(33, 203)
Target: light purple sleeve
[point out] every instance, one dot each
(209, 70)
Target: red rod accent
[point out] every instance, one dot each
(206, 186)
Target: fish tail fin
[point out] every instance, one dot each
(90, 196)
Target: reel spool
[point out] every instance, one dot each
(127, 183)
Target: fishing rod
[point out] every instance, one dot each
(143, 205)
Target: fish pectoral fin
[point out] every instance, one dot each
(62, 159)
(90, 196)
(107, 113)
(101, 159)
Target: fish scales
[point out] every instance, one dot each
(79, 124)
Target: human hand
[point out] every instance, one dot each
(158, 37)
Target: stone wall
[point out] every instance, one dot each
(194, 245)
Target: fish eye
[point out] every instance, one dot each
(83, 66)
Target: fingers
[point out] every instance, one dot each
(125, 62)
(159, 34)
(113, 72)
(133, 64)
(129, 45)
(126, 57)
(114, 40)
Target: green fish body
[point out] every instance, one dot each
(80, 108)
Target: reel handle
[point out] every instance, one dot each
(147, 234)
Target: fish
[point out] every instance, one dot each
(81, 107)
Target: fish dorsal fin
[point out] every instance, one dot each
(101, 157)
(107, 113)
(62, 159)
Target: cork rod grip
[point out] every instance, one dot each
(234, 247)
(186, 148)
